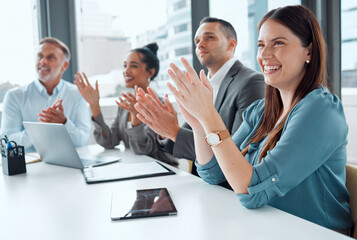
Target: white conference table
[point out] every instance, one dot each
(53, 202)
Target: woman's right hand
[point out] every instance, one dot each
(90, 94)
(194, 93)
(189, 118)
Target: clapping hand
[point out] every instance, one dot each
(90, 94)
(127, 101)
(160, 117)
(193, 93)
(53, 114)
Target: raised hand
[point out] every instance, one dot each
(53, 114)
(189, 118)
(90, 94)
(162, 118)
(127, 102)
(194, 94)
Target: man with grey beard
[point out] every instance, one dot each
(48, 99)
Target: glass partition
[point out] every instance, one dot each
(349, 72)
(245, 15)
(108, 29)
(18, 44)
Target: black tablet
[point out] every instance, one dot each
(142, 203)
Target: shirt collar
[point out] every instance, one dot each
(218, 77)
(43, 90)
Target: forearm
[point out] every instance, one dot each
(105, 136)
(79, 131)
(203, 151)
(78, 123)
(235, 167)
(21, 138)
(95, 109)
(134, 120)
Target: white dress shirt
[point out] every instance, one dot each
(217, 79)
(25, 103)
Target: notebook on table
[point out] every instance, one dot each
(55, 146)
(125, 171)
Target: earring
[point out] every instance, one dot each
(307, 61)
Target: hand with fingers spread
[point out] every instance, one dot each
(193, 93)
(53, 114)
(90, 94)
(160, 117)
(127, 102)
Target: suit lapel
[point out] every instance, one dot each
(225, 84)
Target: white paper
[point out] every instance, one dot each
(123, 170)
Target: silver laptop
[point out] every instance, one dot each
(54, 145)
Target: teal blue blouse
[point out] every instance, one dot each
(305, 173)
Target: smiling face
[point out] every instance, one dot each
(213, 48)
(135, 72)
(50, 63)
(281, 56)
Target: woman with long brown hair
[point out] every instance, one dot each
(290, 151)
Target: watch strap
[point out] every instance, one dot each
(222, 135)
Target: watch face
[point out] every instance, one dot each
(212, 138)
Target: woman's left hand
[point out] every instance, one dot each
(194, 94)
(127, 102)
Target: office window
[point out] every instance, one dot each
(179, 5)
(349, 72)
(245, 15)
(349, 42)
(108, 29)
(18, 44)
(181, 28)
(182, 51)
(164, 56)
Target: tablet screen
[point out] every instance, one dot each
(142, 203)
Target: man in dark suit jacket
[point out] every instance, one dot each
(235, 88)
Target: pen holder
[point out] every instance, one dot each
(13, 160)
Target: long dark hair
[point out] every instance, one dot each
(302, 22)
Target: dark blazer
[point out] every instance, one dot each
(239, 88)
